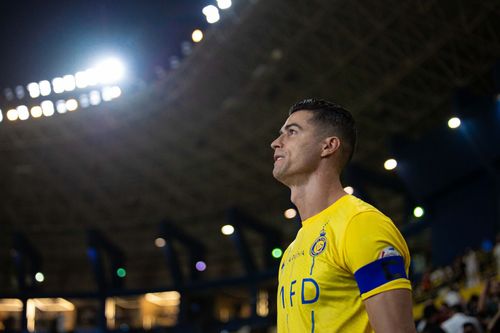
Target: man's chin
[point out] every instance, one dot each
(279, 176)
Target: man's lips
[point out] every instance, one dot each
(278, 157)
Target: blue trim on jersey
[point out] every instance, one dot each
(312, 266)
(379, 273)
(312, 321)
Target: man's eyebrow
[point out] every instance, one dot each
(290, 125)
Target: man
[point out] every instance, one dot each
(346, 271)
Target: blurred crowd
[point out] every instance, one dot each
(463, 297)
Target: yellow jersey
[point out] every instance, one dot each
(340, 257)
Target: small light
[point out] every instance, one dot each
(1, 116)
(20, 92)
(71, 104)
(454, 122)
(200, 266)
(12, 115)
(197, 36)
(224, 4)
(81, 80)
(160, 242)
(84, 100)
(212, 14)
(121, 272)
(8, 94)
(418, 211)
(44, 88)
(23, 112)
(58, 85)
(290, 213)
(390, 164)
(33, 89)
(106, 94)
(277, 253)
(69, 82)
(61, 106)
(349, 189)
(36, 111)
(227, 230)
(39, 277)
(47, 108)
(95, 97)
(115, 92)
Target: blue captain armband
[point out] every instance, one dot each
(379, 272)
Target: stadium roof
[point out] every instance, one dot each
(191, 145)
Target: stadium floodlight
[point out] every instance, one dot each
(44, 87)
(454, 122)
(92, 77)
(12, 115)
(201, 266)
(47, 108)
(115, 92)
(95, 97)
(20, 92)
(71, 104)
(197, 36)
(390, 164)
(58, 85)
(23, 112)
(290, 213)
(84, 101)
(33, 89)
(227, 230)
(69, 82)
(106, 94)
(160, 242)
(110, 70)
(39, 277)
(61, 106)
(349, 189)
(212, 14)
(36, 111)
(81, 79)
(224, 4)
(418, 212)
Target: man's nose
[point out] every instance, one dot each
(276, 143)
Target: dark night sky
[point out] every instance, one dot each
(44, 39)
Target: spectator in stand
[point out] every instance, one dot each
(455, 324)
(489, 299)
(469, 328)
(430, 321)
(471, 269)
(496, 254)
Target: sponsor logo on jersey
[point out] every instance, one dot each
(319, 244)
(389, 252)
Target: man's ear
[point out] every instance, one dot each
(331, 144)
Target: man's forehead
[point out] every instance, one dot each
(298, 117)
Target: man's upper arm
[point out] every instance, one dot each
(391, 311)
(377, 255)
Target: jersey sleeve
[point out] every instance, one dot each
(376, 253)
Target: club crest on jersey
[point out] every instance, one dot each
(319, 245)
(389, 252)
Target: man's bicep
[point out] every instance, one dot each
(391, 311)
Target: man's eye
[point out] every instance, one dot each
(291, 131)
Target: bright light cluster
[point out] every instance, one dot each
(211, 12)
(47, 108)
(106, 72)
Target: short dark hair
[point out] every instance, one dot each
(336, 120)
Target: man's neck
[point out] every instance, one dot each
(316, 194)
